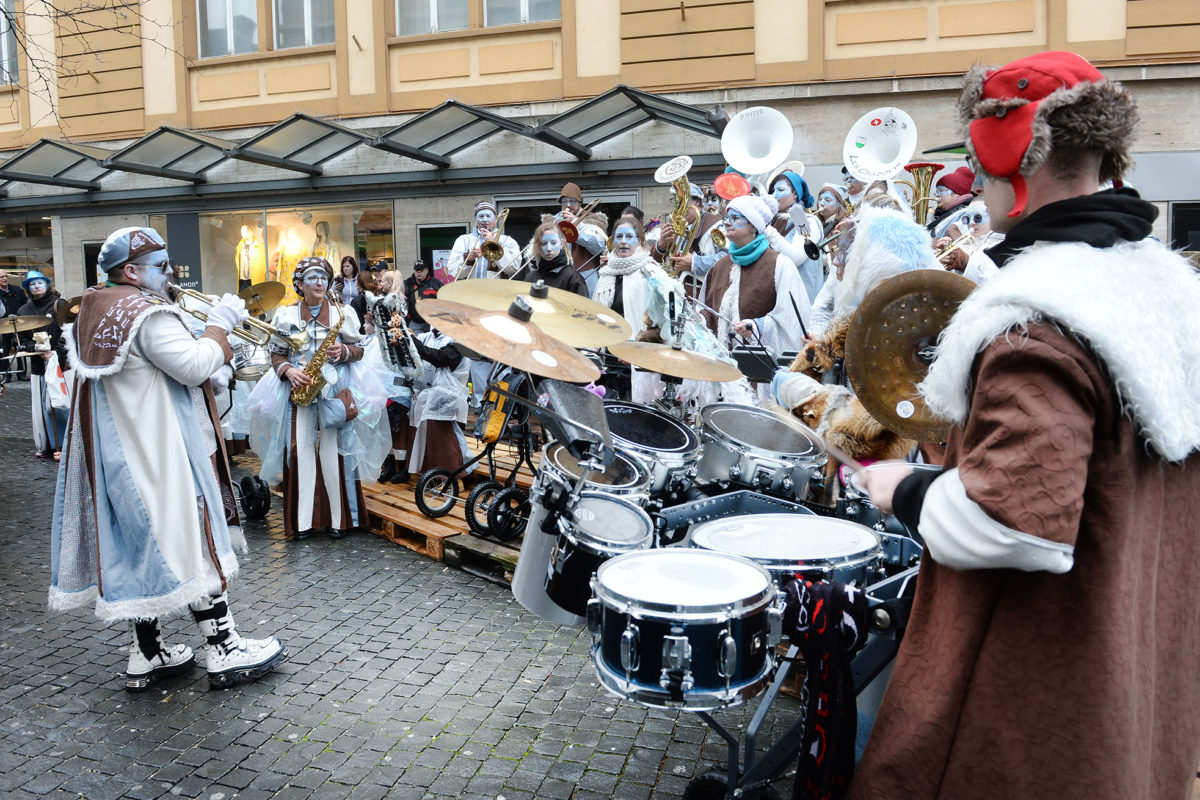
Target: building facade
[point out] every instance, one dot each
(371, 127)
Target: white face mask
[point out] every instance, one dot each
(827, 202)
(550, 246)
(484, 219)
(155, 278)
(783, 190)
(625, 241)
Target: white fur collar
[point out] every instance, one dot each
(1136, 305)
(95, 373)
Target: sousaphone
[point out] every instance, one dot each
(756, 141)
(879, 144)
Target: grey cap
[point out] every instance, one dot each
(127, 245)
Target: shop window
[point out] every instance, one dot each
(1185, 226)
(513, 12)
(430, 16)
(242, 248)
(303, 23)
(227, 27)
(8, 44)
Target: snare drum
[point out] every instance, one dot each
(679, 628)
(818, 548)
(250, 362)
(668, 447)
(601, 527)
(626, 479)
(759, 449)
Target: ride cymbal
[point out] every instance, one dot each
(562, 315)
(262, 298)
(502, 337)
(891, 343)
(664, 359)
(30, 322)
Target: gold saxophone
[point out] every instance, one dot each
(305, 395)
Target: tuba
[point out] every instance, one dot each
(756, 141)
(879, 145)
(395, 339)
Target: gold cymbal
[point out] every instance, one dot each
(891, 343)
(68, 311)
(566, 316)
(22, 324)
(261, 298)
(664, 359)
(502, 337)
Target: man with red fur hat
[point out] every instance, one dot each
(1052, 646)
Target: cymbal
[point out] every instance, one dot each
(261, 298)
(509, 340)
(68, 311)
(891, 343)
(22, 324)
(664, 359)
(566, 316)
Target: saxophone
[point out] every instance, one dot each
(305, 395)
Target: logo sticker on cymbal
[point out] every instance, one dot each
(905, 409)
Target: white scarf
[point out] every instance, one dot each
(606, 287)
(730, 308)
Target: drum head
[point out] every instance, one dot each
(611, 523)
(648, 428)
(762, 429)
(854, 484)
(692, 581)
(786, 539)
(622, 473)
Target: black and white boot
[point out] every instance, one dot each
(230, 658)
(150, 660)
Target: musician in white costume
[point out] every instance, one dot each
(321, 451)
(466, 260)
(793, 226)
(145, 524)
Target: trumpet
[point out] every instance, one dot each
(251, 330)
(962, 242)
(570, 233)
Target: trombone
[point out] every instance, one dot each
(251, 330)
(491, 249)
(570, 233)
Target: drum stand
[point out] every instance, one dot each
(669, 401)
(889, 602)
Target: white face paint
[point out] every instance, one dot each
(625, 241)
(550, 245)
(155, 278)
(484, 219)
(784, 193)
(827, 203)
(38, 288)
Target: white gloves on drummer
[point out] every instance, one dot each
(227, 312)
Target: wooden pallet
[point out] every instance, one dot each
(485, 557)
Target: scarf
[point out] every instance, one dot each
(552, 266)
(606, 287)
(1100, 220)
(747, 254)
(44, 306)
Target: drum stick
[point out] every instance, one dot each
(843, 457)
(799, 318)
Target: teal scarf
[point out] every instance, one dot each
(749, 253)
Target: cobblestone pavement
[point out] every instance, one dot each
(405, 678)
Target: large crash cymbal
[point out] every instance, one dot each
(664, 359)
(68, 311)
(503, 337)
(566, 316)
(23, 324)
(891, 343)
(262, 298)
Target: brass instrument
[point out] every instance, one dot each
(251, 330)
(569, 232)
(395, 339)
(921, 185)
(674, 172)
(491, 249)
(719, 239)
(877, 147)
(305, 395)
(962, 242)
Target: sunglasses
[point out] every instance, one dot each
(976, 219)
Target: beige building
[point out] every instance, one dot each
(255, 131)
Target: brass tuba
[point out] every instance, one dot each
(674, 172)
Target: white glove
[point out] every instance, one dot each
(227, 312)
(221, 378)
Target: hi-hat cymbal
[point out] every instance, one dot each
(891, 342)
(68, 311)
(566, 316)
(23, 324)
(664, 359)
(502, 337)
(261, 298)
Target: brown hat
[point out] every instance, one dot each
(571, 190)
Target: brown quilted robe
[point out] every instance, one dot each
(1031, 685)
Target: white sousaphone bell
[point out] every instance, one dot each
(879, 144)
(673, 170)
(756, 141)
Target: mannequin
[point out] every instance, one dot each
(251, 258)
(324, 247)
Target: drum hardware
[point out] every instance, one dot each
(251, 330)
(262, 298)
(666, 360)
(566, 316)
(759, 449)
(668, 448)
(890, 344)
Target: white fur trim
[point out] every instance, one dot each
(1134, 304)
(123, 353)
(960, 535)
(887, 243)
(175, 602)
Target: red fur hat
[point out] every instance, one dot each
(1010, 128)
(959, 181)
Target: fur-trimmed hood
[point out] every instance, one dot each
(1134, 304)
(887, 243)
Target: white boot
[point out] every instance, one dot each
(150, 660)
(231, 658)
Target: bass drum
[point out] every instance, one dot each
(759, 449)
(790, 545)
(670, 449)
(679, 628)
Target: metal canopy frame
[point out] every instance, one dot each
(441, 132)
(301, 143)
(618, 110)
(173, 153)
(55, 163)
